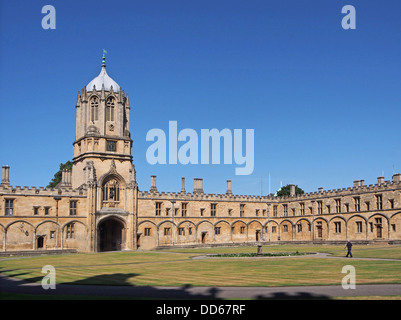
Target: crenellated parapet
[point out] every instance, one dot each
(198, 194)
(202, 197)
(42, 191)
(358, 188)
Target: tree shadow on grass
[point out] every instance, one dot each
(115, 285)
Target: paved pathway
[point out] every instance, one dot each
(328, 255)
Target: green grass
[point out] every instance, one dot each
(362, 251)
(176, 268)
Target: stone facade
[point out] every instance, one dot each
(98, 207)
(361, 213)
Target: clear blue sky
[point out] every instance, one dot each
(324, 102)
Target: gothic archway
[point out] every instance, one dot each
(111, 235)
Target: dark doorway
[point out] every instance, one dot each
(138, 241)
(319, 231)
(111, 235)
(40, 242)
(204, 237)
(379, 232)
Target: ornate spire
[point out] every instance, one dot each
(103, 78)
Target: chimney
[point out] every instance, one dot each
(153, 184)
(65, 178)
(362, 183)
(292, 190)
(320, 189)
(380, 180)
(198, 185)
(183, 185)
(229, 192)
(397, 177)
(5, 180)
(356, 183)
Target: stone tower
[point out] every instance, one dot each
(102, 130)
(102, 161)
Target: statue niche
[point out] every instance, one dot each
(111, 193)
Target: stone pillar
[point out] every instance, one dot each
(153, 187)
(260, 250)
(229, 192)
(198, 185)
(183, 185)
(5, 180)
(268, 220)
(313, 220)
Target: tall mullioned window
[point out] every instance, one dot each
(285, 209)
(110, 109)
(379, 202)
(338, 205)
(319, 207)
(158, 208)
(213, 209)
(302, 208)
(337, 227)
(9, 207)
(94, 105)
(241, 210)
(357, 204)
(184, 209)
(70, 231)
(73, 207)
(359, 226)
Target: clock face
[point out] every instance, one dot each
(111, 146)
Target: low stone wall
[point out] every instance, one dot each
(36, 252)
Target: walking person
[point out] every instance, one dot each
(349, 247)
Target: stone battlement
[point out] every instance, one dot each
(198, 194)
(18, 190)
(379, 187)
(202, 196)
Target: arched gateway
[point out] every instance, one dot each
(111, 234)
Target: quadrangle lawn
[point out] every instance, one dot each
(179, 268)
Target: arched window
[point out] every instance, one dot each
(110, 109)
(111, 191)
(94, 108)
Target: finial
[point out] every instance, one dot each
(104, 58)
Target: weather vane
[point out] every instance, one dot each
(104, 57)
